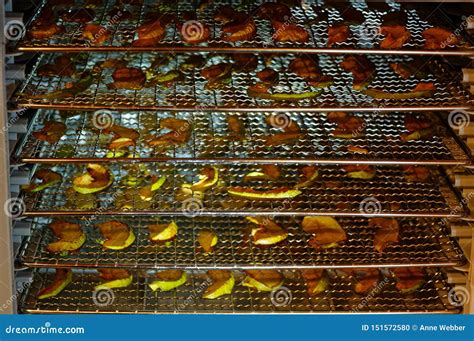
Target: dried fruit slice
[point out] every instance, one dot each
(236, 127)
(417, 173)
(239, 30)
(118, 235)
(96, 179)
(263, 280)
(326, 231)
(208, 178)
(366, 279)
(168, 280)
(282, 138)
(269, 172)
(348, 125)
(207, 239)
(387, 232)
(286, 32)
(365, 172)
(308, 176)
(338, 33)
(362, 69)
(317, 280)
(62, 65)
(146, 193)
(420, 91)
(395, 36)
(96, 34)
(439, 38)
(47, 179)
(70, 237)
(307, 68)
(222, 284)
(62, 278)
(122, 137)
(181, 133)
(71, 89)
(163, 232)
(114, 278)
(150, 33)
(282, 96)
(267, 232)
(268, 76)
(273, 194)
(418, 127)
(357, 150)
(409, 279)
(128, 78)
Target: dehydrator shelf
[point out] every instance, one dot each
(212, 141)
(435, 296)
(191, 94)
(423, 242)
(365, 38)
(388, 193)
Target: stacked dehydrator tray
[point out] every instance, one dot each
(241, 165)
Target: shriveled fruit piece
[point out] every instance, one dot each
(70, 237)
(348, 125)
(282, 138)
(146, 193)
(269, 172)
(307, 68)
(417, 173)
(47, 179)
(338, 33)
(207, 239)
(258, 92)
(308, 176)
(267, 232)
(118, 235)
(180, 134)
(236, 127)
(163, 232)
(387, 232)
(222, 284)
(268, 76)
(362, 69)
(62, 278)
(395, 36)
(96, 34)
(168, 280)
(421, 90)
(326, 231)
(114, 278)
(357, 150)
(150, 33)
(439, 38)
(272, 194)
(316, 280)
(128, 78)
(208, 178)
(122, 137)
(96, 179)
(418, 127)
(285, 32)
(263, 280)
(51, 132)
(409, 279)
(239, 30)
(366, 279)
(365, 172)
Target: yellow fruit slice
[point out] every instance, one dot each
(70, 237)
(118, 235)
(116, 283)
(274, 194)
(163, 232)
(267, 231)
(168, 280)
(62, 279)
(308, 176)
(317, 280)
(380, 94)
(327, 232)
(48, 178)
(208, 178)
(263, 280)
(146, 193)
(207, 239)
(67, 246)
(223, 283)
(96, 179)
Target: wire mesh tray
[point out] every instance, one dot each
(79, 297)
(212, 141)
(365, 37)
(388, 193)
(191, 93)
(423, 242)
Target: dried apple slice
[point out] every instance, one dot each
(395, 36)
(96, 179)
(421, 90)
(273, 194)
(283, 138)
(308, 176)
(263, 280)
(236, 127)
(317, 280)
(366, 279)
(252, 91)
(168, 280)
(222, 284)
(267, 232)
(118, 235)
(130, 199)
(163, 232)
(51, 132)
(114, 278)
(417, 173)
(146, 193)
(439, 38)
(269, 172)
(409, 279)
(47, 177)
(365, 172)
(327, 233)
(62, 278)
(70, 237)
(387, 232)
(207, 239)
(207, 179)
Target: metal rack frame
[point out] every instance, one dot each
(78, 297)
(364, 39)
(423, 242)
(211, 141)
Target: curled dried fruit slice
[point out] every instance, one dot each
(253, 91)
(326, 231)
(168, 280)
(387, 232)
(365, 172)
(114, 278)
(96, 34)
(96, 179)
(62, 278)
(267, 232)
(357, 150)
(417, 173)
(395, 36)
(362, 69)
(307, 68)
(308, 176)
(150, 33)
(222, 284)
(208, 178)
(207, 239)
(268, 172)
(70, 237)
(273, 194)
(62, 66)
(118, 235)
(338, 34)
(146, 193)
(263, 280)
(236, 127)
(163, 232)
(285, 32)
(439, 38)
(47, 177)
(421, 90)
(409, 279)
(128, 78)
(316, 280)
(239, 30)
